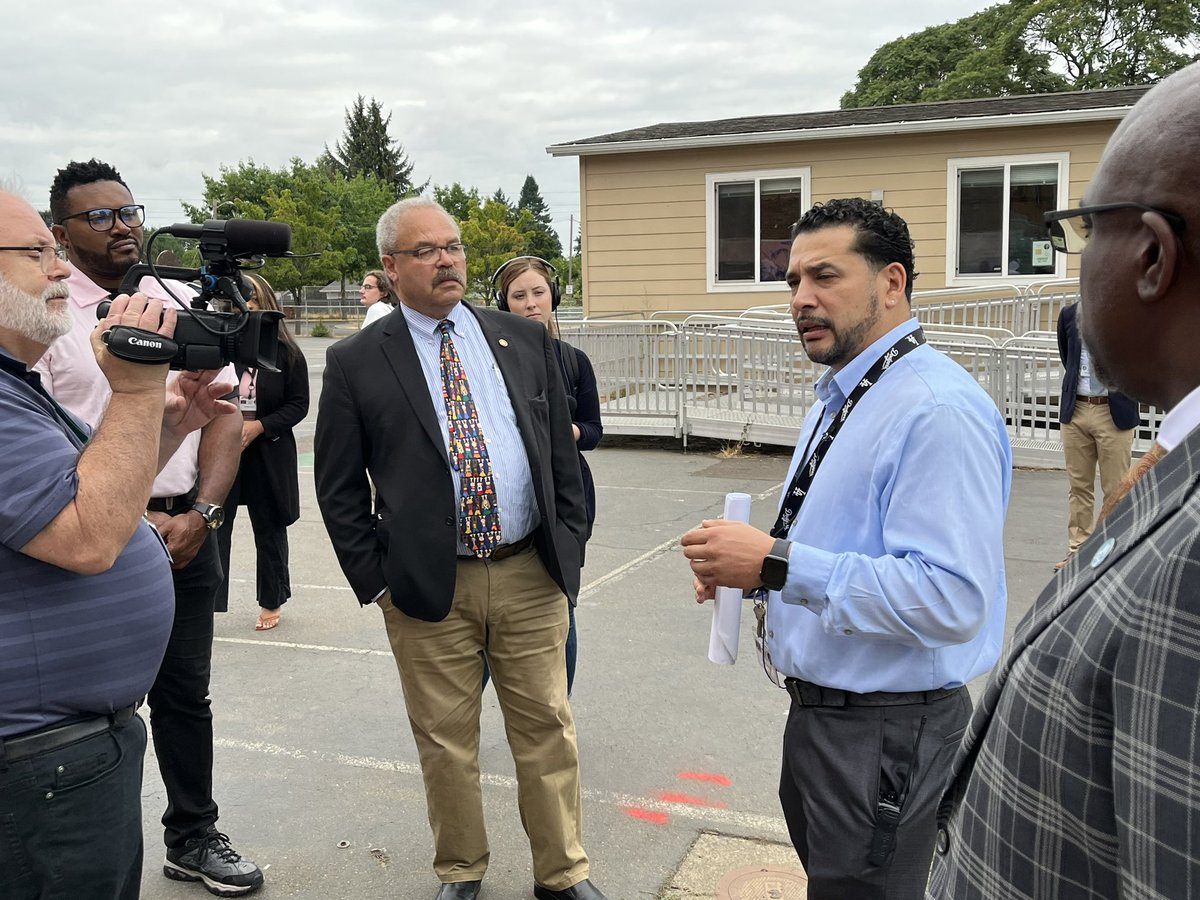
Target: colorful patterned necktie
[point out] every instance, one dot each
(478, 518)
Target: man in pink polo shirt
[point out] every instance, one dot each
(98, 223)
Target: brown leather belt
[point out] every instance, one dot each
(53, 737)
(1095, 401)
(805, 693)
(504, 551)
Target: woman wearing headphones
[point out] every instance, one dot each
(528, 286)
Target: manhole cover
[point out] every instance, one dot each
(763, 883)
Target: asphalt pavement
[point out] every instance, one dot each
(316, 771)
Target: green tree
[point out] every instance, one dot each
(457, 200)
(366, 148)
(541, 239)
(1110, 43)
(330, 215)
(491, 240)
(1025, 46)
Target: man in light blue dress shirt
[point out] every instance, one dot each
(885, 569)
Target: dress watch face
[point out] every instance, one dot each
(775, 567)
(214, 516)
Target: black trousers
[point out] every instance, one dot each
(273, 584)
(180, 714)
(71, 819)
(842, 767)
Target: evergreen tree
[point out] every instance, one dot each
(541, 240)
(366, 148)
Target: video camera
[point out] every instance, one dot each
(205, 339)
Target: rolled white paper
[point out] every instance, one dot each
(727, 608)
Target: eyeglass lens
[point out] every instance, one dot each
(104, 219)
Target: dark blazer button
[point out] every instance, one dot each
(943, 841)
(449, 520)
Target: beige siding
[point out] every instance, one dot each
(644, 221)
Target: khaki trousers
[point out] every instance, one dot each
(1090, 438)
(514, 612)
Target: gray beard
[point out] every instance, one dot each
(30, 315)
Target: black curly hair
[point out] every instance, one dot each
(75, 174)
(882, 236)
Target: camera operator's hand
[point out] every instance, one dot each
(136, 312)
(193, 400)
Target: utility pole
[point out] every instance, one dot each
(571, 257)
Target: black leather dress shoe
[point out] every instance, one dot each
(459, 890)
(584, 890)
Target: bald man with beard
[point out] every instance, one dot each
(1078, 773)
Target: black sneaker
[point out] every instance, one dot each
(211, 859)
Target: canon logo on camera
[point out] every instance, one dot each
(141, 342)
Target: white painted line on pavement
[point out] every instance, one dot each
(359, 651)
(723, 817)
(310, 587)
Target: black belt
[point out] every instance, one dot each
(504, 551)
(180, 503)
(53, 737)
(805, 693)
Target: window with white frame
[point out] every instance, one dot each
(995, 225)
(750, 217)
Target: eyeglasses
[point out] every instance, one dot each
(105, 217)
(1071, 228)
(47, 256)
(428, 254)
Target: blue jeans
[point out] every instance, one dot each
(572, 646)
(71, 819)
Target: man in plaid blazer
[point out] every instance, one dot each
(1079, 775)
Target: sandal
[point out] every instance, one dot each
(267, 619)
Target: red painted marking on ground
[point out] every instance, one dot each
(668, 797)
(710, 777)
(646, 815)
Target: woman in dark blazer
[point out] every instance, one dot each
(528, 286)
(273, 403)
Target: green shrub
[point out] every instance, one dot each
(320, 330)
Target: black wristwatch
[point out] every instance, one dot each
(775, 566)
(214, 516)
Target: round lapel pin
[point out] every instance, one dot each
(503, 342)
(1103, 553)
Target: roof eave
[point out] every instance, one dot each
(968, 123)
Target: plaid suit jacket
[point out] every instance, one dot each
(1078, 776)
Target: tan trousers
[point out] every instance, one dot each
(514, 612)
(1090, 438)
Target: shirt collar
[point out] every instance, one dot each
(839, 385)
(427, 326)
(1180, 421)
(14, 366)
(85, 293)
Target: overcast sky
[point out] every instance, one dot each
(166, 92)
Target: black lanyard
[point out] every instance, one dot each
(806, 471)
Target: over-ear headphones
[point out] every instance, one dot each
(501, 297)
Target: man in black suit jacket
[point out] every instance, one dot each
(383, 412)
(1097, 429)
(1077, 775)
